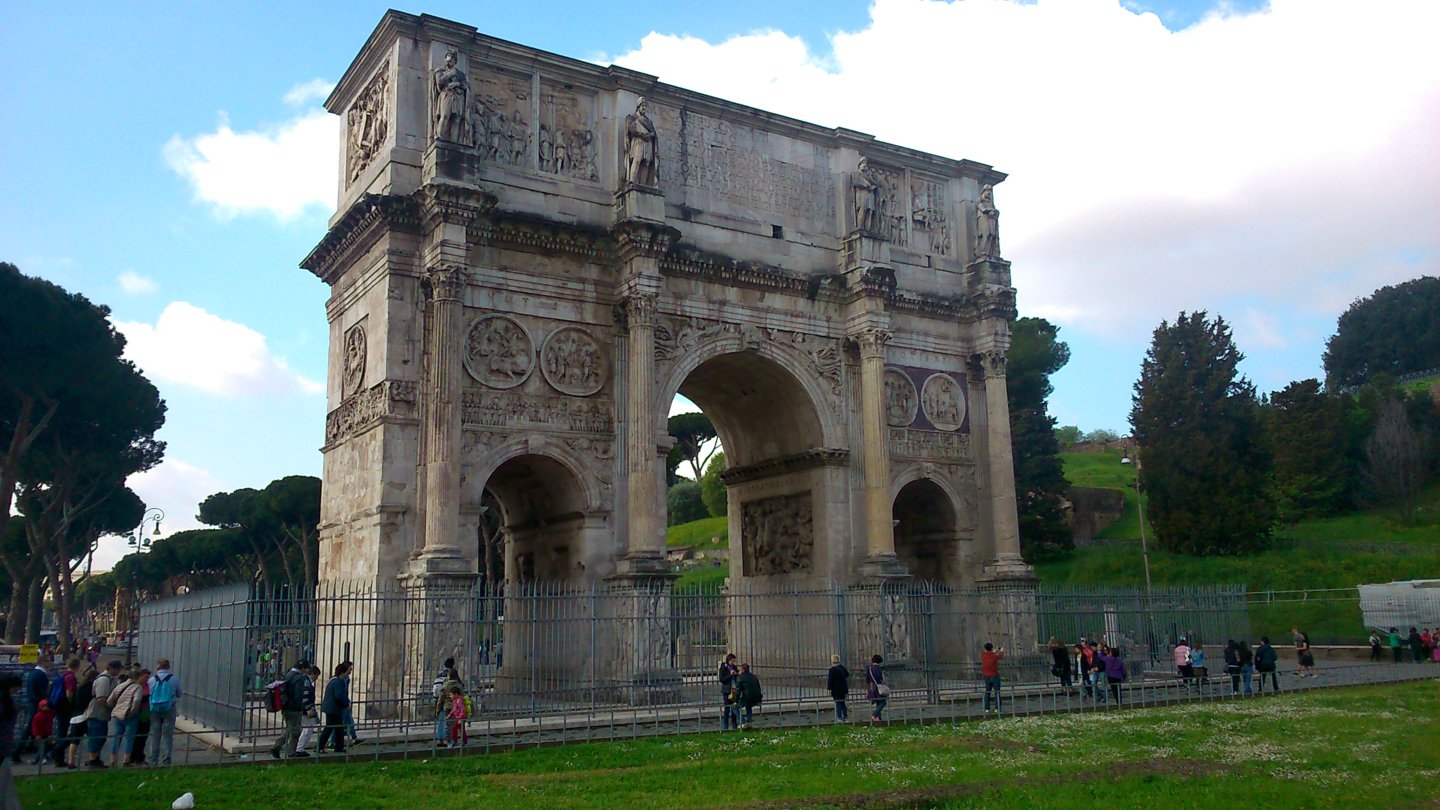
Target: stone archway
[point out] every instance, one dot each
(542, 512)
(777, 478)
(926, 530)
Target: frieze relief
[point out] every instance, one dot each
(777, 535)
(367, 124)
(929, 444)
(358, 413)
(509, 409)
(676, 336)
(499, 351)
(573, 362)
(929, 215)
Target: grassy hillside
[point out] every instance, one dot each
(1105, 471)
(710, 531)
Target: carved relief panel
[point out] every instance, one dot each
(352, 372)
(567, 139)
(777, 535)
(367, 124)
(574, 362)
(901, 401)
(500, 116)
(944, 402)
(929, 215)
(499, 351)
(890, 217)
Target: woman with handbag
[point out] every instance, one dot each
(1060, 666)
(876, 689)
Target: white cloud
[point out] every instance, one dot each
(189, 346)
(313, 90)
(176, 488)
(135, 284)
(284, 170)
(1283, 159)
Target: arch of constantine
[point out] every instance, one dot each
(533, 255)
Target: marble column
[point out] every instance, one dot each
(443, 415)
(879, 518)
(1004, 516)
(645, 551)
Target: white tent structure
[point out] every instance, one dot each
(1414, 603)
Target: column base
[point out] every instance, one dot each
(643, 566)
(1007, 568)
(439, 561)
(884, 568)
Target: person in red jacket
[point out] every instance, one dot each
(990, 670)
(42, 729)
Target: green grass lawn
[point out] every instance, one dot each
(710, 531)
(1330, 748)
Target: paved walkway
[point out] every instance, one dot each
(952, 702)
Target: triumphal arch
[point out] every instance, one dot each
(533, 255)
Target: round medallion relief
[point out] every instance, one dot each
(572, 361)
(499, 352)
(943, 401)
(901, 400)
(352, 373)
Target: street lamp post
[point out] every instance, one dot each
(141, 542)
(1144, 558)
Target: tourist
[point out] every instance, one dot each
(750, 695)
(142, 729)
(309, 716)
(1060, 663)
(62, 703)
(876, 690)
(1307, 657)
(1395, 645)
(837, 680)
(1096, 673)
(292, 708)
(990, 660)
(1085, 664)
(1232, 665)
(1265, 660)
(125, 704)
(455, 717)
(36, 688)
(1417, 647)
(1114, 672)
(337, 700)
(164, 695)
(348, 713)
(1427, 642)
(97, 715)
(1199, 664)
(1184, 667)
(1435, 646)
(1247, 664)
(448, 677)
(729, 693)
(81, 702)
(10, 684)
(42, 731)
(1374, 645)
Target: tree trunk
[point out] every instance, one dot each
(19, 610)
(35, 610)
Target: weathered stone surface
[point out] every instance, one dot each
(533, 255)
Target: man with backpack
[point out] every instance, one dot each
(62, 702)
(97, 714)
(164, 694)
(292, 708)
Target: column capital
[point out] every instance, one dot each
(447, 282)
(637, 310)
(871, 342)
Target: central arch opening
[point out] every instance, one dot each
(530, 528)
(769, 430)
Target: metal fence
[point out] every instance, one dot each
(535, 652)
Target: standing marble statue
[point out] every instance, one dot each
(864, 192)
(987, 226)
(451, 91)
(641, 167)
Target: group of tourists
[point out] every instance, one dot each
(1424, 645)
(740, 693)
(1242, 663)
(293, 697)
(80, 714)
